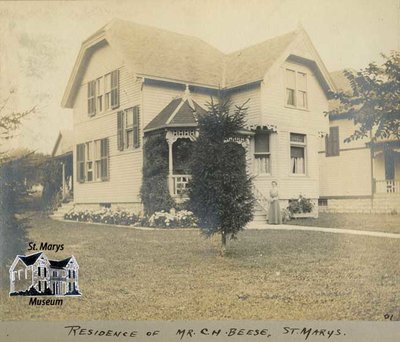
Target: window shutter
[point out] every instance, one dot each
(105, 160)
(327, 145)
(335, 140)
(92, 98)
(120, 130)
(80, 161)
(115, 89)
(136, 126)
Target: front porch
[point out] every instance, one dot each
(386, 167)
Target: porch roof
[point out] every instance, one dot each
(180, 112)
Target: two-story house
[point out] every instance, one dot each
(44, 276)
(131, 80)
(361, 175)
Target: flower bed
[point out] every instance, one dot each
(173, 219)
(160, 219)
(104, 215)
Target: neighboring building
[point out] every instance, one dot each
(38, 272)
(131, 80)
(62, 151)
(358, 176)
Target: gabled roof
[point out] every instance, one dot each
(252, 63)
(180, 112)
(159, 54)
(64, 143)
(59, 264)
(30, 259)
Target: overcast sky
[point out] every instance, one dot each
(39, 41)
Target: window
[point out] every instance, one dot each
(39, 268)
(55, 274)
(261, 153)
(297, 153)
(99, 94)
(128, 128)
(97, 158)
(301, 90)
(45, 271)
(89, 161)
(92, 98)
(101, 155)
(290, 87)
(103, 93)
(322, 202)
(92, 161)
(296, 89)
(332, 142)
(80, 159)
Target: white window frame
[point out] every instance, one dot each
(89, 160)
(302, 145)
(260, 154)
(296, 90)
(97, 160)
(99, 94)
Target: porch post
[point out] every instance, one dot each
(63, 180)
(170, 142)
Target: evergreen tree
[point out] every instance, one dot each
(220, 191)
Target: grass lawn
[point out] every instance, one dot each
(373, 222)
(129, 274)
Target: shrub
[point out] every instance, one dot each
(286, 215)
(300, 205)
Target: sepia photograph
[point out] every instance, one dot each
(200, 161)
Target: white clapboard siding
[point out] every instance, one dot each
(275, 111)
(289, 120)
(125, 166)
(253, 96)
(348, 174)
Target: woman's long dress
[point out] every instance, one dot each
(274, 212)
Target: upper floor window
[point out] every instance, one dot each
(297, 153)
(92, 161)
(103, 93)
(128, 128)
(296, 89)
(99, 94)
(332, 142)
(262, 153)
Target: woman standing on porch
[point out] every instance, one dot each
(274, 212)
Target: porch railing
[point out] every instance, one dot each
(180, 183)
(387, 186)
(261, 199)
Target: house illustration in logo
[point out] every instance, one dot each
(36, 274)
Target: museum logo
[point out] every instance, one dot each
(37, 275)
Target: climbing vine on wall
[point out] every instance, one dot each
(154, 191)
